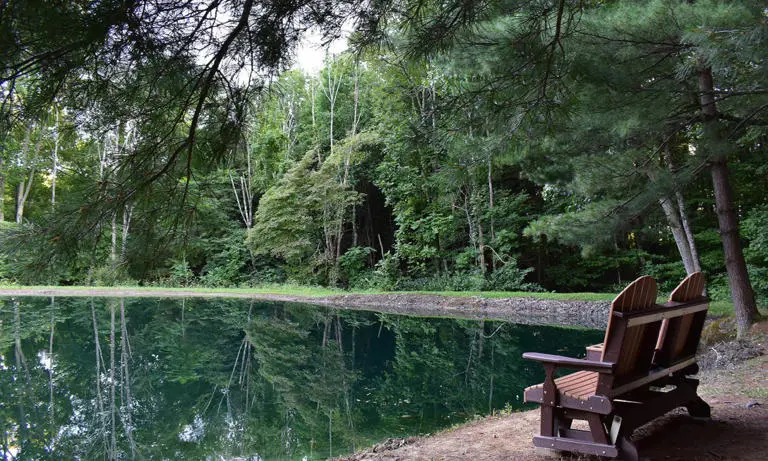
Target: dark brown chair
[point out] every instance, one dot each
(619, 392)
(679, 337)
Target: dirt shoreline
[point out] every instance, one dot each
(588, 314)
(738, 395)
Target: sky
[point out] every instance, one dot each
(311, 53)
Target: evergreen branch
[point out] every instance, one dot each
(553, 44)
(748, 118)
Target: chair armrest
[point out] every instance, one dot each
(560, 361)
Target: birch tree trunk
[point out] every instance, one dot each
(681, 240)
(490, 196)
(356, 99)
(19, 202)
(682, 217)
(26, 185)
(127, 216)
(125, 356)
(113, 247)
(2, 189)
(23, 194)
(716, 146)
(688, 232)
(97, 378)
(21, 365)
(54, 170)
(331, 91)
(112, 384)
(51, 408)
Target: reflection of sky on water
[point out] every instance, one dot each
(235, 379)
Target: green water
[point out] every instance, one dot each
(234, 379)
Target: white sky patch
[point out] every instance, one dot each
(311, 53)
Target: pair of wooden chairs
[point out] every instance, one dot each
(639, 373)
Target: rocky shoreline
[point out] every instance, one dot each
(588, 314)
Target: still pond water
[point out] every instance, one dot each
(152, 378)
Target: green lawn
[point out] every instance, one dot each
(288, 290)
(319, 292)
(716, 307)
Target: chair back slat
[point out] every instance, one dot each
(680, 336)
(631, 347)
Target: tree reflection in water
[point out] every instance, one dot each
(185, 379)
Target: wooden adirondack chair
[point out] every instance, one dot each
(619, 391)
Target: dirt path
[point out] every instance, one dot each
(592, 314)
(738, 429)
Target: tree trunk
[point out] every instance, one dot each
(683, 218)
(125, 355)
(55, 161)
(2, 190)
(112, 408)
(26, 185)
(356, 100)
(331, 93)
(97, 378)
(127, 215)
(23, 194)
(469, 221)
(21, 365)
(51, 409)
(738, 278)
(113, 247)
(741, 289)
(481, 246)
(490, 196)
(354, 225)
(681, 240)
(688, 231)
(20, 202)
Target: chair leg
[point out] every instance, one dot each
(597, 429)
(627, 449)
(699, 408)
(547, 421)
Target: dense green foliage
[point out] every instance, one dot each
(473, 146)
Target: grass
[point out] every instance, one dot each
(139, 291)
(717, 308)
(520, 294)
(314, 292)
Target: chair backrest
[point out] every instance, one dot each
(630, 346)
(679, 337)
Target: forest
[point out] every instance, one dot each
(514, 145)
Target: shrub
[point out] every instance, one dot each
(387, 273)
(353, 265)
(180, 274)
(457, 281)
(111, 275)
(266, 274)
(509, 277)
(668, 275)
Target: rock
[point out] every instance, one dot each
(719, 331)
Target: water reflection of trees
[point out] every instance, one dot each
(155, 378)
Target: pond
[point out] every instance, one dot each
(153, 378)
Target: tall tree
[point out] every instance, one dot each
(657, 59)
